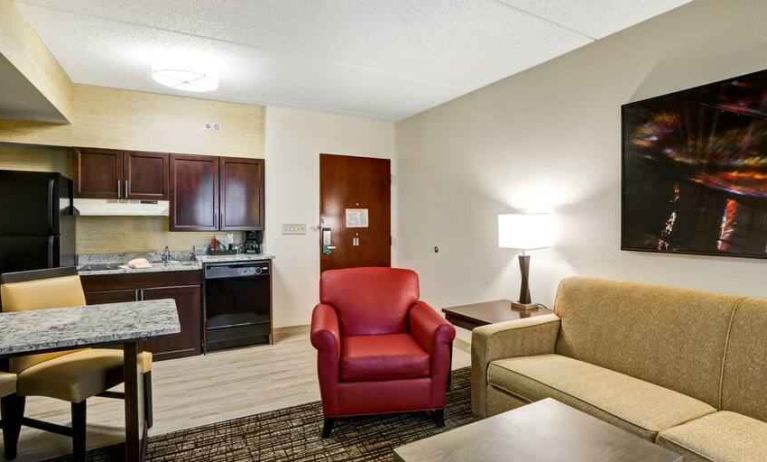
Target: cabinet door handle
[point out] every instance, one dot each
(126, 189)
(119, 196)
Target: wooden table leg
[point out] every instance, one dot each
(135, 425)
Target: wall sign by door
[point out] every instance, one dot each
(356, 218)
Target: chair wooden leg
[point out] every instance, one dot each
(148, 411)
(327, 427)
(439, 418)
(12, 409)
(79, 431)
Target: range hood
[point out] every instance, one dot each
(124, 208)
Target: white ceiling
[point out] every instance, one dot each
(386, 59)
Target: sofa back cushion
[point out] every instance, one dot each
(744, 379)
(370, 301)
(671, 337)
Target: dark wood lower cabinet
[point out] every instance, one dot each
(185, 287)
(188, 342)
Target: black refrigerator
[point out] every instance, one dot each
(37, 222)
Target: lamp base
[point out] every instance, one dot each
(524, 306)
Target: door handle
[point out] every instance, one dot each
(119, 195)
(327, 241)
(126, 189)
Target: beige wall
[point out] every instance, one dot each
(550, 138)
(295, 139)
(31, 158)
(23, 48)
(123, 119)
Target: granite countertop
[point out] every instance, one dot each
(175, 265)
(156, 268)
(57, 328)
(237, 257)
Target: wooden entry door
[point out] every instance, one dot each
(355, 212)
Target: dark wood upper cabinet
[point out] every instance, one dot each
(113, 174)
(242, 194)
(145, 175)
(98, 173)
(194, 193)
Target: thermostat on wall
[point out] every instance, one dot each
(293, 229)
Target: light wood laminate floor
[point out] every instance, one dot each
(195, 391)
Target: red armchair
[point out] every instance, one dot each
(379, 349)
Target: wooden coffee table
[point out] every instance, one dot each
(545, 431)
(480, 314)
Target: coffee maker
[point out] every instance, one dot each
(253, 242)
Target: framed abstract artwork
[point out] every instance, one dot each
(694, 170)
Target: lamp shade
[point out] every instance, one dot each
(525, 231)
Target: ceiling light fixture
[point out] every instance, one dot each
(194, 75)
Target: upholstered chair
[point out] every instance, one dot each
(380, 349)
(70, 375)
(7, 394)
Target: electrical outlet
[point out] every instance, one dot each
(293, 229)
(212, 126)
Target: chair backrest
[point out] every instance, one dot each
(671, 337)
(39, 289)
(370, 301)
(744, 376)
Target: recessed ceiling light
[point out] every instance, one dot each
(196, 74)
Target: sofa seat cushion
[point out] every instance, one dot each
(721, 437)
(382, 357)
(79, 375)
(635, 405)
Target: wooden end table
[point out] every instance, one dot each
(545, 431)
(481, 314)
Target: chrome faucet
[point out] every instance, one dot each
(166, 256)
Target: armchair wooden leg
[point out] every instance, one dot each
(79, 431)
(327, 427)
(439, 418)
(12, 409)
(148, 411)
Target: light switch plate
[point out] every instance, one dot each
(293, 229)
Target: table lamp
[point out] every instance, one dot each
(524, 231)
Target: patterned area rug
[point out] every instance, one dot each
(293, 434)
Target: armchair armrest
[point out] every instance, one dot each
(429, 328)
(326, 338)
(435, 335)
(523, 337)
(325, 334)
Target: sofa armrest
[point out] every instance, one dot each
(523, 337)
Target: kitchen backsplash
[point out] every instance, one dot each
(97, 235)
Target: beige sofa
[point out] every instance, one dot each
(685, 369)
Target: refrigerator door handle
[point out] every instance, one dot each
(53, 206)
(52, 263)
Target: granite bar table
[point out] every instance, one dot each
(126, 324)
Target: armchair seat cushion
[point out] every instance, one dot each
(382, 357)
(77, 376)
(627, 402)
(720, 437)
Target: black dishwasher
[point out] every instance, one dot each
(238, 304)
